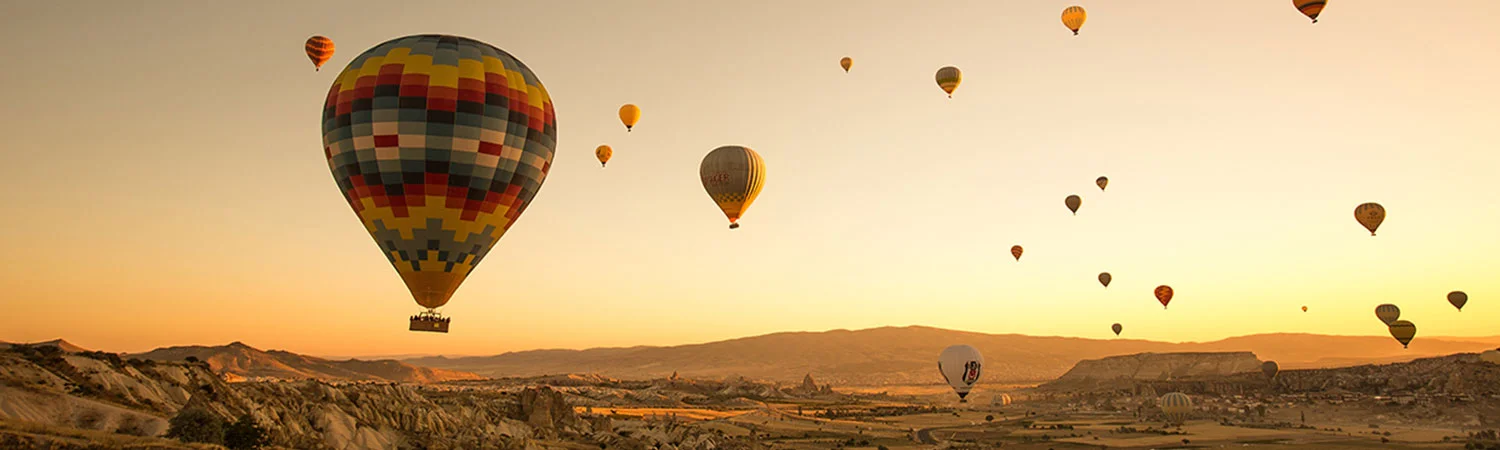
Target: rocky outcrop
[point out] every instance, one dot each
(544, 408)
(1155, 367)
(239, 361)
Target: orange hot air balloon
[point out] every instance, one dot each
(846, 63)
(1164, 295)
(1370, 215)
(1304, 309)
(319, 49)
(1310, 8)
(603, 153)
(1015, 250)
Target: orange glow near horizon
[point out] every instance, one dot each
(168, 188)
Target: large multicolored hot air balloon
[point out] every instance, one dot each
(1073, 202)
(1176, 407)
(1270, 368)
(1458, 299)
(1370, 215)
(1403, 331)
(1105, 278)
(603, 153)
(959, 365)
(439, 143)
(1310, 8)
(1073, 18)
(1102, 182)
(846, 63)
(1387, 313)
(629, 115)
(1163, 295)
(733, 176)
(319, 49)
(948, 79)
(1117, 328)
(1015, 250)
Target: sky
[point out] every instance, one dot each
(164, 182)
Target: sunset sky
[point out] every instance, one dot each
(164, 181)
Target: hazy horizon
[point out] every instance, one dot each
(167, 184)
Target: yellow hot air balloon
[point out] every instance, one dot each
(629, 115)
(846, 63)
(948, 79)
(1370, 215)
(1102, 182)
(1073, 18)
(1403, 331)
(1015, 250)
(603, 153)
(1176, 406)
(1310, 8)
(733, 176)
(1073, 202)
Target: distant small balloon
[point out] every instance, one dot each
(1073, 18)
(1164, 295)
(1015, 250)
(1310, 8)
(1117, 328)
(1403, 331)
(603, 153)
(1102, 182)
(1073, 202)
(1176, 406)
(1370, 215)
(846, 63)
(629, 115)
(948, 79)
(1270, 369)
(319, 49)
(1105, 278)
(1387, 313)
(1304, 309)
(1458, 299)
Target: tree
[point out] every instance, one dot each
(245, 434)
(196, 425)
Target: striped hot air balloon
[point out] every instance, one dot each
(1177, 407)
(1403, 331)
(1073, 18)
(733, 176)
(1387, 313)
(948, 79)
(1310, 8)
(319, 49)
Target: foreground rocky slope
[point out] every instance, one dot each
(248, 362)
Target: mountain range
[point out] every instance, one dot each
(908, 355)
(240, 360)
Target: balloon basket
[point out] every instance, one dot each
(430, 322)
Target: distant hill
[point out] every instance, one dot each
(59, 343)
(246, 361)
(907, 355)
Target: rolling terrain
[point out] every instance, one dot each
(244, 361)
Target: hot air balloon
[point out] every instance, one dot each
(1104, 278)
(1164, 295)
(960, 365)
(603, 153)
(1387, 313)
(948, 79)
(319, 49)
(1015, 250)
(1370, 215)
(1117, 328)
(1073, 202)
(846, 63)
(1304, 309)
(1270, 369)
(1458, 299)
(435, 196)
(1490, 356)
(1176, 406)
(733, 176)
(629, 115)
(1002, 400)
(1073, 18)
(1403, 331)
(1102, 182)
(1310, 8)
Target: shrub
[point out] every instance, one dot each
(196, 425)
(245, 434)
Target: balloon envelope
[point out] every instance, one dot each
(1387, 313)
(1073, 18)
(318, 49)
(1270, 369)
(1117, 328)
(1310, 8)
(1458, 299)
(629, 115)
(846, 63)
(437, 184)
(1176, 406)
(948, 78)
(1163, 295)
(1073, 202)
(1403, 331)
(1102, 182)
(1304, 309)
(960, 366)
(603, 153)
(733, 176)
(1015, 250)
(1105, 278)
(1370, 215)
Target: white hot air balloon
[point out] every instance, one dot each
(960, 366)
